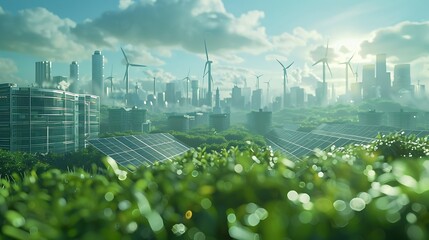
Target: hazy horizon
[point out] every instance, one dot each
(243, 38)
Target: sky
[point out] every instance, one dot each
(244, 38)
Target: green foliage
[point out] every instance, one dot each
(248, 193)
(11, 162)
(212, 141)
(310, 118)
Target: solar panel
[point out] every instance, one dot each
(137, 150)
(357, 131)
(296, 144)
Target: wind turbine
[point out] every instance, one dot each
(284, 80)
(208, 72)
(325, 63)
(126, 77)
(111, 80)
(348, 65)
(257, 80)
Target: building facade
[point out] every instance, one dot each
(39, 120)
(89, 118)
(74, 77)
(369, 87)
(402, 78)
(126, 119)
(382, 77)
(43, 73)
(98, 74)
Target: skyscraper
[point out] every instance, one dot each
(97, 73)
(402, 78)
(170, 93)
(381, 77)
(194, 86)
(74, 77)
(43, 73)
(257, 99)
(368, 82)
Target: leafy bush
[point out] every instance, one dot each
(253, 193)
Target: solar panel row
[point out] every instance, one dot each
(139, 150)
(297, 144)
(366, 131)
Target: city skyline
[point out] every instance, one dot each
(243, 41)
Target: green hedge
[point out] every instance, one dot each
(253, 193)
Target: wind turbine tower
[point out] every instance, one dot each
(257, 80)
(208, 72)
(111, 81)
(126, 75)
(324, 61)
(284, 81)
(348, 65)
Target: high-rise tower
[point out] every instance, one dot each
(74, 77)
(382, 78)
(369, 82)
(97, 73)
(194, 86)
(402, 78)
(43, 73)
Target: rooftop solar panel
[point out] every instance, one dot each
(137, 150)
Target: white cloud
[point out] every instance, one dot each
(7, 66)
(123, 4)
(179, 25)
(300, 37)
(406, 41)
(42, 33)
(141, 55)
(8, 69)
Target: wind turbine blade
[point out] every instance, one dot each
(189, 71)
(126, 73)
(329, 68)
(350, 67)
(280, 63)
(260, 75)
(125, 56)
(205, 47)
(289, 65)
(320, 60)
(137, 65)
(351, 58)
(205, 68)
(326, 51)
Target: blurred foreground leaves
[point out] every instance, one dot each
(249, 193)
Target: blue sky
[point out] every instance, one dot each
(244, 37)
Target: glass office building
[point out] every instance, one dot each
(43, 120)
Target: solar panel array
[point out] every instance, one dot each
(365, 131)
(137, 150)
(296, 144)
